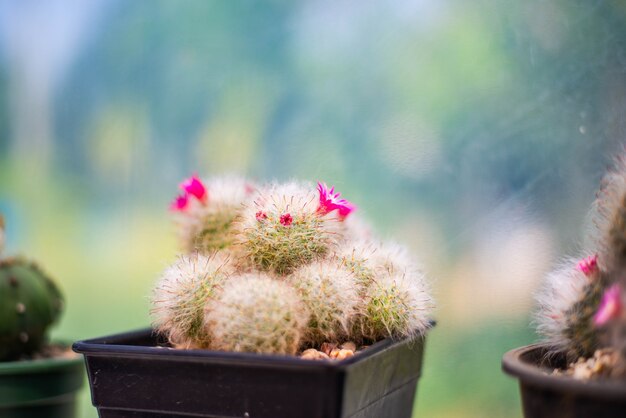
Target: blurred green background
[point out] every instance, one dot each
(474, 132)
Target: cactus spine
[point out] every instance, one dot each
(30, 303)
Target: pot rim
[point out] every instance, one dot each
(42, 365)
(523, 362)
(110, 346)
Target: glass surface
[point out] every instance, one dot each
(474, 132)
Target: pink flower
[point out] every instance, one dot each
(588, 265)
(194, 186)
(329, 201)
(610, 306)
(286, 219)
(261, 216)
(249, 188)
(180, 203)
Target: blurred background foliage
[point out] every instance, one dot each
(475, 132)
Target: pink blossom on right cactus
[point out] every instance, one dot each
(610, 306)
(588, 265)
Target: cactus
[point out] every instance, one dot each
(358, 259)
(296, 276)
(567, 302)
(257, 314)
(609, 218)
(395, 306)
(30, 303)
(583, 337)
(205, 212)
(610, 222)
(392, 289)
(283, 230)
(181, 295)
(329, 291)
(368, 261)
(581, 307)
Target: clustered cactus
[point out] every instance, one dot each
(581, 304)
(278, 268)
(30, 303)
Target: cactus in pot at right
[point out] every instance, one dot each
(581, 306)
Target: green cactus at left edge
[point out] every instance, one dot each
(29, 303)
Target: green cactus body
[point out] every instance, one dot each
(284, 230)
(363, 274)
(29, 303)
(213, 232)
(395, 306)
(257, 314)
(385, 312)
(181, 295)
(330, 294)
(583, 338)
(617, 235)
(272, 246)
(205, 219)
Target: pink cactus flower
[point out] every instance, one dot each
(286, 219)
(261, 216)
(329, 201)
(588, 265)
(610, 306)
(194, 186)
(180, 204)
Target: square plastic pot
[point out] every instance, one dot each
(130, 376)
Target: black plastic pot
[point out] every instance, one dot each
(40, 388)
(545, 395)
(131, 377)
